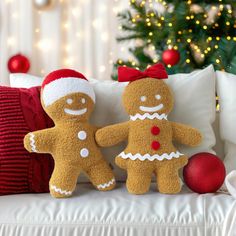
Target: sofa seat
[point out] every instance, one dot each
(113, 213)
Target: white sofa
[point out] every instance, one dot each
(90, 212)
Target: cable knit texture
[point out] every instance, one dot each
(20, 113)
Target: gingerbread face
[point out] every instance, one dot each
(148, 96)
(75, 106)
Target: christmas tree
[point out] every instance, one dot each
(184, 34)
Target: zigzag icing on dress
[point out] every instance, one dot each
(149, 157)
(148, 116)
(32, 142)
(106, 185)
(59, 190)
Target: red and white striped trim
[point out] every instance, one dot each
(64, 86)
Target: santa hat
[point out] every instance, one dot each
(60, 83)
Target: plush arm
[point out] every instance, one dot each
(113, 134)
(40, 141)
(186, 134)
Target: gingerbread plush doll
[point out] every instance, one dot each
(148, 101)
(68, 98)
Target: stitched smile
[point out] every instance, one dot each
(151, 109)
(75, 112)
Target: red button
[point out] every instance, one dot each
(155, 130)
(155, 145)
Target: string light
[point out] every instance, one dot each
(102, 69)
(218, 61)
(187, 60)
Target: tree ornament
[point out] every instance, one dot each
(18, 64)
(204, 173)
(171, 57)
(42, 4)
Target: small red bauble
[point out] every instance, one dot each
(155, 130)
(204, 173)
(155, 145)
(18, 64)
(171, 57)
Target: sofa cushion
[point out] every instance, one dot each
(226, 87)
(116, 212)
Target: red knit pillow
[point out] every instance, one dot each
(20, 113)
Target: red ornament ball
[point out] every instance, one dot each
(18, 64)
(171, 57)
(204, 173)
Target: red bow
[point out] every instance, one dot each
(127, 74)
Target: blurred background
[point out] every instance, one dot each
(94, 37)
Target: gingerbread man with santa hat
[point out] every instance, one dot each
(148, 101)
(68, 98)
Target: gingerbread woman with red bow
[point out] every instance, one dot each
(148, 101)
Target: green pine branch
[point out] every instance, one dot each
(199, 42)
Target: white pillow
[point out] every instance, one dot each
(226, 89)
(20, 80)
(194, 105)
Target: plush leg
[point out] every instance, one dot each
(63, 180)
(138, 180)
(168, 180)
(101, 176)
(122, 163)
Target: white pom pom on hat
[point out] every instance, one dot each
(60, 83)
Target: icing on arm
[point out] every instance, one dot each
(40, 141)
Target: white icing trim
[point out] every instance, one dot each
(59, 190)
(149, 157)
(106, 185)
(151, 109)
(32, 142)
(64, 86)
(148, 116)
